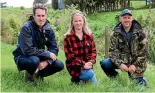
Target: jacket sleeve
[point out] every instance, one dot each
(92, 54)
(140, 56)
(26, 44)
(53, 45)
(71, 59)
(114, 52)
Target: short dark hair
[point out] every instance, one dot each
(39, 6)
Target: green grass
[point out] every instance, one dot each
(17, 11)
(13, 81)
(138, 4)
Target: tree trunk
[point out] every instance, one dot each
(54, 4)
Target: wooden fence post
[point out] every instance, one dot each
(107, 39)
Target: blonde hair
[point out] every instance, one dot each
(85, 27)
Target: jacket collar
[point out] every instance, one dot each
(136, 26)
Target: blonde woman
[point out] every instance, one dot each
(80, 50)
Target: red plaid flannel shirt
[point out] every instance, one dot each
(78, 52)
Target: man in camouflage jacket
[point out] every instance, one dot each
(128, 49)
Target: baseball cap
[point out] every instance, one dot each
(126, 11)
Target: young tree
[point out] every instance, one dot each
(54, 4)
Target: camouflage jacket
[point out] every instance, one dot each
(120, 51)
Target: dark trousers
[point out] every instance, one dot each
(109, 67)
(31, 63)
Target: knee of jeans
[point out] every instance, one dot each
(59, 65)
(88, 74)
(106, 63)
(35, 60)
(91, 74)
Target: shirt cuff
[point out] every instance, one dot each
(50, 61)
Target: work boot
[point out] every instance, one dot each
(141, 81)
(39, 77)
(75, 80)
(29, 78)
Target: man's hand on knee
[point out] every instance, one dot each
(124, 68)
(53, 56)
(132, 68)
(88, 65)
(42, 65)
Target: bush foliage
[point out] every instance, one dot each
(149, 24)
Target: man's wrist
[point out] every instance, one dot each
(49, 62)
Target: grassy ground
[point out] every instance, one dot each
(13, 81)
(138, 4)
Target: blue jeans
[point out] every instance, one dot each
(31, 63)
(88, 75)
(109, 67)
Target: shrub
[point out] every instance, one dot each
(22, 8)
(10, 29)
(15, 26)
(150, 28)
(6, 32)
(59, 20)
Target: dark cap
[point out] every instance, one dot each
(126, 11)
